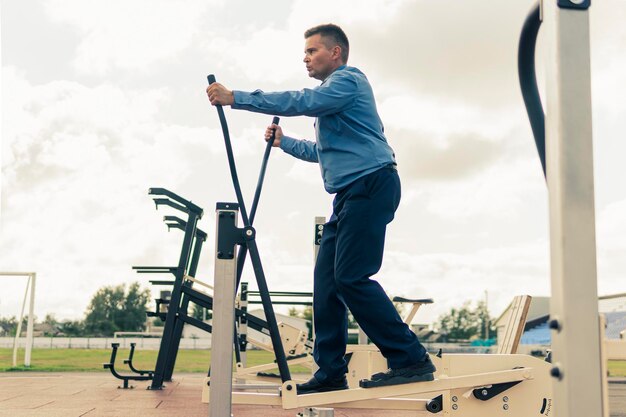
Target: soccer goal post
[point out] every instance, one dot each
(30, 284)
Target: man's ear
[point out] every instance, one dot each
(337, 51)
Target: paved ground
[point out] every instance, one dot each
(96, 394)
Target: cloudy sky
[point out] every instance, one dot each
(102, 100)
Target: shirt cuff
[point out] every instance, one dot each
(240, 98)
(287, 143)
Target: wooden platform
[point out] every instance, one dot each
(96, 394)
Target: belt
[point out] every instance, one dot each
(392, 165)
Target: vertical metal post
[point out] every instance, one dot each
(320, 221)
(604, 366)
(30, 282)
(221, 382)
(18, 330)
(165, 349)
(319, 230)
(574, 303)
(200, 236)
(243, 324)
(31, 320)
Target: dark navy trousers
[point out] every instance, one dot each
(351, 252)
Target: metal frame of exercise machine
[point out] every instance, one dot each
(516, 384)
(576, 372)
(565, 148)
(226, 280)
(188, 293)
(455, 378)
(177, 307)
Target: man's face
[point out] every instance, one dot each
(319, 60)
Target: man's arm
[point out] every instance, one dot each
(335, 95)
(301, 149)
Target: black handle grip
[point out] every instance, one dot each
(266, 156)
(211, 78)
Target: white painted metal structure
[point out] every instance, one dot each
(223, 331)
(569, 157)
(30, 283)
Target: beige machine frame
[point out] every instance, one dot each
(458, 377)
(576, 338)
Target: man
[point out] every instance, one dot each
(359, 167)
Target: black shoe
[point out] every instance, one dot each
(313, 385)
(421, 371)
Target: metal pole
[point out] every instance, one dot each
(574, 303)
(31, 320)
(166, 354)
(29, 330)
(223, 318)
(18, 331)
(320, 221)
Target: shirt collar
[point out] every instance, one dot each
(341, 67)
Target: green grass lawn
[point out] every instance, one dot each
(617, 368)
(77, 360)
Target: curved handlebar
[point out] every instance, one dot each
(528, 80)
(187, 205)
(247, 221)
(259, 184)
(231, 158)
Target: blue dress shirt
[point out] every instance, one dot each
(350, 140)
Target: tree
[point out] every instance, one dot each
(487, 331)
(306, 314)
(8, 326)
(112, 309)
(135, 306)
(72, 328)
(465, 323)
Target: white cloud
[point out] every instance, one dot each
(77, 165)
(439, 117)
(344, 12)
(274, 53)
(501, 191)
(79, 151)
(129, 35)
(453, 278)
(263, 55)
(611, 247)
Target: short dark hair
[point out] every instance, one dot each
(334, 32)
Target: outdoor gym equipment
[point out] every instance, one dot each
(177, 309)
(225, 281)
(125, 378)
(567, 140)
(511, 385)
(495, 376)
(184, 293)
(184, 277)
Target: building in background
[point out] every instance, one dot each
(537, 335)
